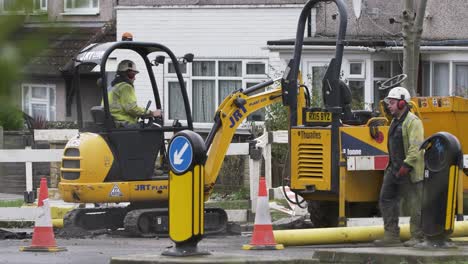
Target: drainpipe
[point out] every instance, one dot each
(324, 47)
(373, 50)
(431, 48)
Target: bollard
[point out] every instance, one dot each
(442, 159)
(187, 156)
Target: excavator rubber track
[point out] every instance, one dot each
(148, 222)
(95, 218)
(155, 222)
(215, 221)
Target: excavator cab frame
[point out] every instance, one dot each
(135, 148)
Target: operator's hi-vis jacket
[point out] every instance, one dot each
(122, 101)
(413, 137)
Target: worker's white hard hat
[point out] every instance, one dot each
(126, 65)
(399, 93)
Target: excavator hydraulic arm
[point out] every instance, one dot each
(230, 114)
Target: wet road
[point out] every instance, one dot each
(101, 249)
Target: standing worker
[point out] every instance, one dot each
(403, 177)
(122, 98)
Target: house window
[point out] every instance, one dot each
(203, 90)
(255, 68)
(176, 105)
(315, 76)
(182, 68)
(82, 6)
(436, 78)
(382, 71)
(356, 70)
(440, 79)
(357, 94)
(230, 68)
(461, 79)
(426, 78)
(39, 101)
(356, 83)
(33, 6)
(210, 81)
(227, 87)
(203, 100)
(40, 5)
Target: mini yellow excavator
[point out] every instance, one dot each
(105, 163)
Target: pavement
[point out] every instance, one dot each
(341, 253)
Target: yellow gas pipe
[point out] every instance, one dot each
(338, 235)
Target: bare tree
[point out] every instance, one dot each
(412, 31)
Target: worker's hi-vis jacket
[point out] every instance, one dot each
(413, 137)
(123, 103)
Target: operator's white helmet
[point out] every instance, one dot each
(399, 93)
(126, 65)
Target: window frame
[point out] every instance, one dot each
(81, 11)
(363, 80)
(189, 78)
(49, 87)
(253, 75)
(374, 89)
(42, 8)
(362, 75)
(450, 75)
(310, 79)
(184, 74)
(454, 64)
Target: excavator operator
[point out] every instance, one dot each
(122, 99)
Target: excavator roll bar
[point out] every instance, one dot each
(331, 86)
(289, 82)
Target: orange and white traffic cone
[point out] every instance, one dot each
(262, 236)
(43, 239)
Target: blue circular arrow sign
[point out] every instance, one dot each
(180, 154)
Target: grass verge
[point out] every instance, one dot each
(14, 224)
(12, 203)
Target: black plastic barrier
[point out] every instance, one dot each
(442, 159)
